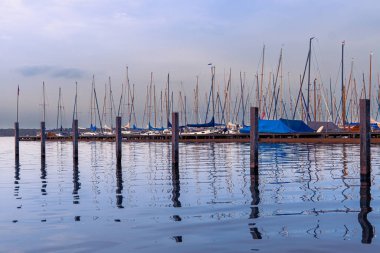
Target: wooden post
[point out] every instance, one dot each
(254, 140)
(118, 138)
(17, 141)
(43, 139)
(175, 138)
(75, 139)
(365, 141)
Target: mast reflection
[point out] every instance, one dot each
(255, 194)
(76, 183)
(365, 208)
(119, 185)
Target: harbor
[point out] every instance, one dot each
(189, 126)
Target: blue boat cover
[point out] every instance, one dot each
(134, 127)
(155, 128)
(281, 126)
(209, 124)
(93, 128)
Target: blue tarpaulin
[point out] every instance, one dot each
(209, 124)
(281, 126)
(155, 128)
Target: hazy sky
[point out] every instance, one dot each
(61, 42)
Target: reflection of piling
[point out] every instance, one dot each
(365, 140)
(254, 140)
(43, 139)
(17, 141)
(118, 138)
(255, 194)
(75, 139)
(175, 138)
(119, 185)
(176, 186)
(76, 183)
(43, 176)
(365, 208)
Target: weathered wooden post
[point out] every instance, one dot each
(365, 171)
(43, 139)
(75, 139)
(254, 140)
(17, 141)
(175, 139)
(365, 141)
(118, 138)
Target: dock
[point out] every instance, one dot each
(317, 138)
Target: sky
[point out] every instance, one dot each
(62, 42)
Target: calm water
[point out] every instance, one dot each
(307, 198)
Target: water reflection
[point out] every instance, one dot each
(176, 186)
(76, 183)
(365, 208)
(17, 178)
(303, 191)
(119, 185)
(255, 194)
(43, 176)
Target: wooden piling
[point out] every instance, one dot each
(17, 141)
(75, 139)
(365, 140)
(175, 138)
(118, 138)
(254, 140)
(43, 139)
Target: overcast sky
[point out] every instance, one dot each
(61, 42)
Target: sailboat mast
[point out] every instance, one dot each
(261, 81)
(75, 112)
(111, 103)
(212, 90)
(308, 82)
(155, 105)
(59, 105)
(161, 111)
(92, 101)
(197, 102)
(44, 102)
(343, 90)
(315, 99)
(18, 95)
(168, 102)
(370, 76)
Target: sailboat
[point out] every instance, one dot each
(94, 112)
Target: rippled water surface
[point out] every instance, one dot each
(307, 198)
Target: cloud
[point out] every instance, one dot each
(68, 73)
(51, 71)
(34, 70)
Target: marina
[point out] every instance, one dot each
(189, 126)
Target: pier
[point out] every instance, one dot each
(322, 138)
